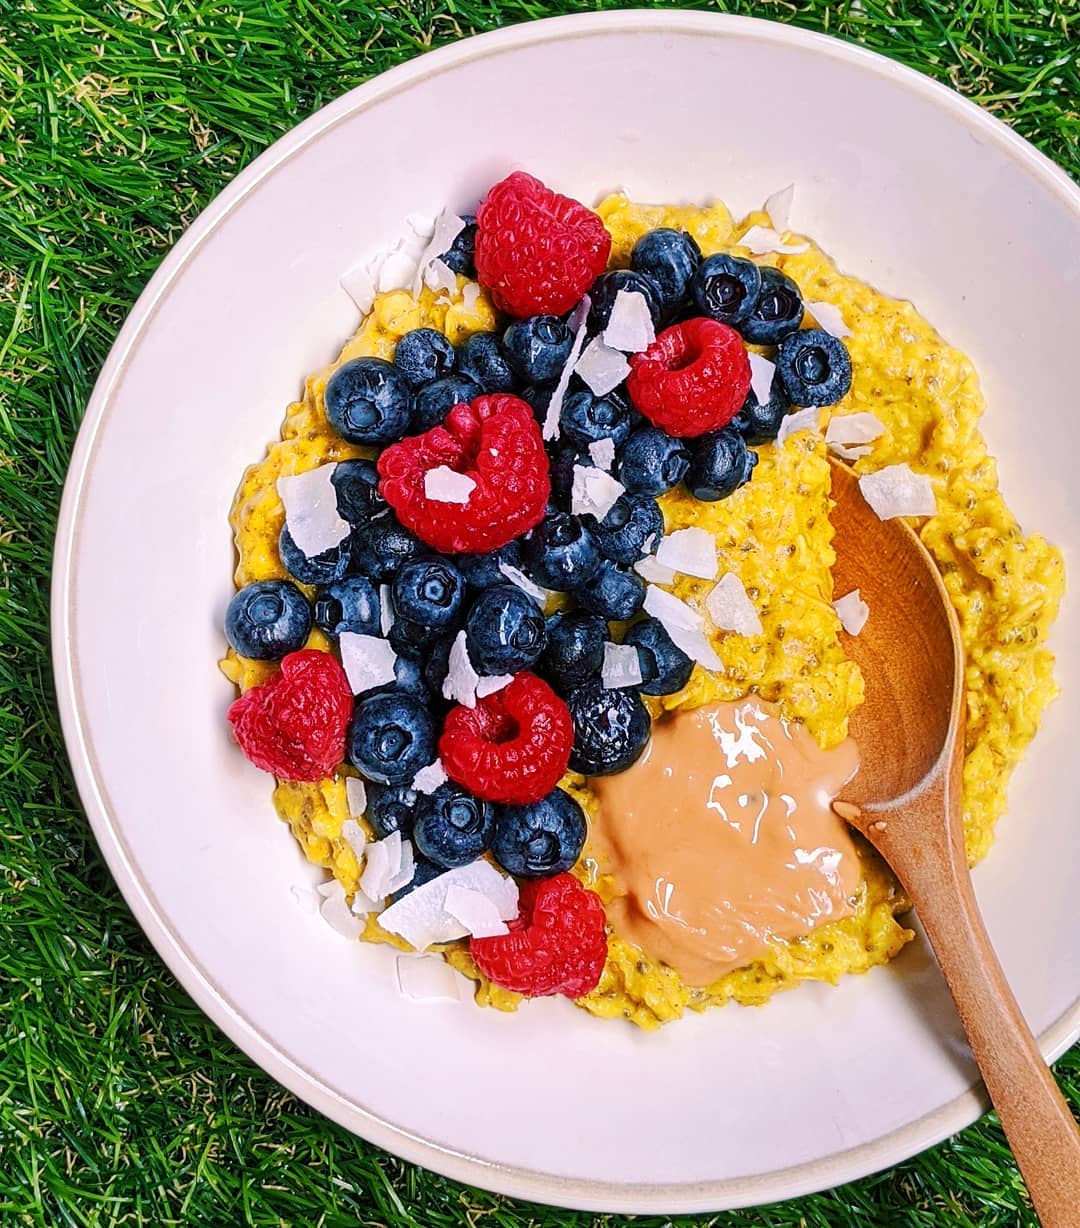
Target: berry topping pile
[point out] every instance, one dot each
(518, 470)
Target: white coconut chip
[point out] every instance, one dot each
(440, 278)
(427, 978)
(691, 551)
(445, 485)
(429, 778)
(397, 270)
(476, 912)
(760, 240)
(406, 869)
(630, 326)
(778, 207)
(306, 900)
(518, 577)
(850, 435)
(602, 451)
(601, 367)
(368, 660)
(489, 684)
(830, 318)
(382, 865)
(421, 917)
(386, 609)
(459, 686)
(594, 492)
(898, 491)
(576, 322)
(359, 284)
(656, 573)
(444, 230)
(355, 837)
(730, 607)
(355, 796)
(622, 666)
(311, 513)
(761, 377)
(685, 626)
(470, 295)
(421, 224)
(802, 420)
(852, 611)
(335, 911)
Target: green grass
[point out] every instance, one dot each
(119, 1102)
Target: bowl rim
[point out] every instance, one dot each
(591, 1195)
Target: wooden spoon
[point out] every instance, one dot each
(906, 800)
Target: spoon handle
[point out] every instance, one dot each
(1037, 1122)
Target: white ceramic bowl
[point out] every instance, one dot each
(911, 188)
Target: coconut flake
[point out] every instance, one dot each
(685, 626)
(690, 551)
(405, 871)
(470, 295)
(444, 485)
(311, 513)
(381, 865)
(778, 207)
(852, 612)
(386, 608)
(459, 686)
(898, 491)
(335, 911)
(594, 492)
(830, 318)
(444, 230)
(440, 278)
(368, 660)
(630, 326)
(656, 573)
(429, 778)
(306, 900)
(761, 377)
(355, 837)
(850, 435)
(601, 367)
(355, 796)
(491, 683)
(802, 420)
(576, 322)
(421, 917)
(760, 240)
(359, 284)
(427, 978)
(622, 666)
(475, 911)
(518, 577)
(397, 271)
(602, 451)
(730, 608)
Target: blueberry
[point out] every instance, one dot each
(504, 630)
(720, 463)
(586, 418)
(383, 546)
(351, 604)
(435, 401)
(408, 679)
(324, 568)
(368, 400)
(612, 591)
(410, 638)
(611, 729)
(650, 462)
(537, 397)
(357, 486)
(390, 738)
(665, 668)
(423, 872)
(561, 552)
(537, 348)
(482, 570)
(437, 664)
(778, 310)
(562, 458)
(391, 808)
(540, 839)
(424, 355)
(459, 256)
(632, 528)
(815, 367)
(608, 285)
(669, 258)
(758, 423)
(452, 827)
(574, 652)
(483, 360)
(726, 288)
(267, 620)
(430, 591)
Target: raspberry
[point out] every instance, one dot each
(513, 746)
(496, 441)
(294, 723)
(537, 252)
(557, 945)
(692, 379)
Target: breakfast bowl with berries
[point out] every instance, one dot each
(530, 636)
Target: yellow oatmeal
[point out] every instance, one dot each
(774, 533)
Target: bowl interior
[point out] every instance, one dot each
(908, 188)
